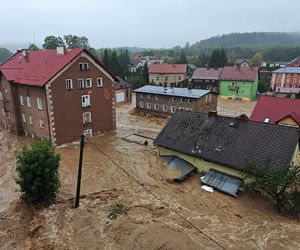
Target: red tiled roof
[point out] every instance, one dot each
(167, 68)
(239, 74)
(40, 68)
(207, 73)
(276, 109)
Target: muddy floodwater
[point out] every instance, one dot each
(159, 213)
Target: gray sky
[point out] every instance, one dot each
(152, 23)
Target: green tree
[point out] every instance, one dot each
(37, 170)
(52, 42)
(73, 41)
(4, 54)
(106, 57)
(275, 183)
(33, 47)
(256, 59)
(124, 62)
(218, 58)
(115, 64)
(145, 73)
(182, 58)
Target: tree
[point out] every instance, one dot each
(4, 54)
(125, 62)
(275, 183)
(37, 170)
(256, 59)
(33, 47)
(182, 59)
(218, 58)
(106, 57)
(73, 41)
(145, 73)
(52, 42)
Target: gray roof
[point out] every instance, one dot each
(288, 70)
(181, 92)
(232, 142)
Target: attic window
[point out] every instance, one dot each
(266, 120)
(231, 124)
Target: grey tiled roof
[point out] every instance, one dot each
(229, 141)
(181, 92)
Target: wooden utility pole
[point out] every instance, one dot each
(79, 172)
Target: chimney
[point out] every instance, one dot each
(60, 50)
(25, 55)
(212, 113)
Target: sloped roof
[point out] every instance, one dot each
(295, 60)
(181, 92)
(276, 108)
(167, 68)
(121, 83)
(207, 73)
(288, 70)
(241, 60)
(232, 142)
(40, 66)
(239, 74)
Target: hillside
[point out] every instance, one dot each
(254, 39)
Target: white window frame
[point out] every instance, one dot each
(189, 100)
(90, 84)
(3, 112)
(173, 109)
(156, 106)
(22, 100)
(181, 99)
(85, 101)
(39, 103)
(173, 99)
(1, 96)
(142, 104)
(156, 97)
(165, 108)
(69, 84)
(88, 132)
(83, 66)
(30, 119)
(99, 82)
(148, 96)
(42, 123)
(23, 117)
(141, 95)
(28, 101)
(148, 105)
(87, 115)
(81, 84)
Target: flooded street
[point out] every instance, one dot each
(118, 170)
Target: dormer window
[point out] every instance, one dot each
(83, 66)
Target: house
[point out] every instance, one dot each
(167, 74)
(276, 110)
(239, 83)
(56, 94)
(162, 101)
(243, 62)
(286, 81)
(226, 144)
(123, 91)
(138, 61)
(295, 62)
(206, 78)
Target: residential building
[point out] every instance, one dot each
(276, 110)
(239, 83)
(123, 91)
(167, 74)
(227, 144)
(286, 81)
(138, 61)
(243, 62)
(295, 62)
(162, 101)
(56, 94)
(206, 78)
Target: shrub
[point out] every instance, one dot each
(37, 170)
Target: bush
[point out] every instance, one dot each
(37, 170)
(116, 210)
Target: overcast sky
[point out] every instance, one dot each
(152, 23)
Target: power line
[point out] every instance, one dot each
(154, 195)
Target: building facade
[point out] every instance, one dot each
(239, 83)
(206, 78)
(165, 101)
(167, 74)
(56, 94)
(123, 91)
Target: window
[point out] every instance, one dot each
(30, 119)
(157, 78)
(22, 100)
(166, 78)
(23, 117)
(148, 96)
(80, 83)
(99, 82)
(88, 82)
(165, 108)
(42, 123)
(1, 96)
(69, 84)
(28, 101)
(141, 95)
(181, 99)
(3, 112)
(189, 109)
(189, 100)
(148, 105)
(206, 98)
(83, 66)
(173, 108)
(39, 103)
(156, 97)
(173, 99)
(88, 132)
(179, 78)
(85, 100)
(156, 106)
(87, 117)
(142, 104)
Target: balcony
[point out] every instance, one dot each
(233, 87)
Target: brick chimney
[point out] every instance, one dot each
(60, 50)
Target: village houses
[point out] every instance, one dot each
(56, 94)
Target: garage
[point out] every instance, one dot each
(120, 97)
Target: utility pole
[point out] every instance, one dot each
(79, 172)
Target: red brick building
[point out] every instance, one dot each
(56, 94)
(286, 80)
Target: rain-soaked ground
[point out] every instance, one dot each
(154, 205)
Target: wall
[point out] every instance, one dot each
(66, 106)
(128, 94)
(288, 121)
(171, 78)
